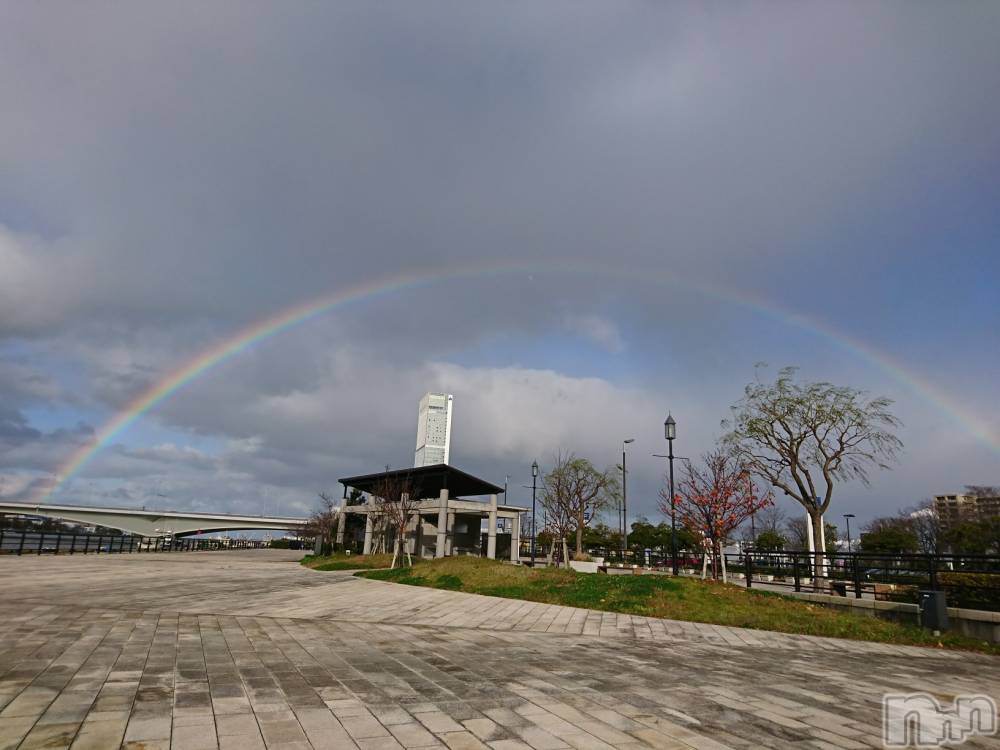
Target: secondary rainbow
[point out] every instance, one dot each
(301, 313)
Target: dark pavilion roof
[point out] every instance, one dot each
(430, 480)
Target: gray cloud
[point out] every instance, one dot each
(171, 173)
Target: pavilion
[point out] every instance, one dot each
(446, 519)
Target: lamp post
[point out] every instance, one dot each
(534, 486)
(848, 517)
(670, 432)
(625, 499)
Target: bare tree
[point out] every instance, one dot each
(321, 524)
(574, 492)
(797, 531)
(771, 519)
(804, 438)
(982, 490)
(922, 519)
(397, 499)
(559, 524)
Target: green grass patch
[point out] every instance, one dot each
(341, 561)
(687, 599)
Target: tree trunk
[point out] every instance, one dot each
(579, 540)
(565, 548)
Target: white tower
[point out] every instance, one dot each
(433, 430)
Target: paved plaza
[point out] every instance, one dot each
(249, 650)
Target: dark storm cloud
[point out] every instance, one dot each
(207, 164)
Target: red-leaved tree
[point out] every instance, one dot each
(716, 499)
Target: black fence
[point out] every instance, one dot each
(24, 542)
(969, 581)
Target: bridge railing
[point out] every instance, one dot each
(25, 542)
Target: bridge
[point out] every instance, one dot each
(153, 522)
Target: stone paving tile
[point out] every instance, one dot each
(249, 650)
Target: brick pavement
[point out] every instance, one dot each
(249, 650)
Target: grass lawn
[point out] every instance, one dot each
(341, 561)
(660, 596)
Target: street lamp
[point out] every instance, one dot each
(670, 432)
(534, 486)
(848, 517)
(624, 500)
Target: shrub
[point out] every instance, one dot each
(971, 590)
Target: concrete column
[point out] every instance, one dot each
(449, 541)
(412, 524)
(442, 523)
(369, 529)
(341, 524)
(418, 535)
(491, 533)
(515, 538)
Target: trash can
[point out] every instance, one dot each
(933, 610)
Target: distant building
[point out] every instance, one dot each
(433, 430)
(957, 507)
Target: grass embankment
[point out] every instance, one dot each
(346, 562)
(688, 599)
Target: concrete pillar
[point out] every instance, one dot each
(412, 527)
(515, 538)
(369, 529)
(449, 540)
(491, 533)
(418, 536)
(341, 524)
(442, 523)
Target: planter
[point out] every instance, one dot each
(583, 567)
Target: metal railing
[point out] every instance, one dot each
(969, 581)
(24, 542)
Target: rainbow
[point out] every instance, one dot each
(301, 313)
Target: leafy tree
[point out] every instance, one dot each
(974, 536)
(770, 541)
(601, 535)
(892, 539)
(804, 438)
(715, 500)
(574, 492)
(686, 538)
(643, 534)
(832, 535)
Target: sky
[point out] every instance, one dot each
(576, 217)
